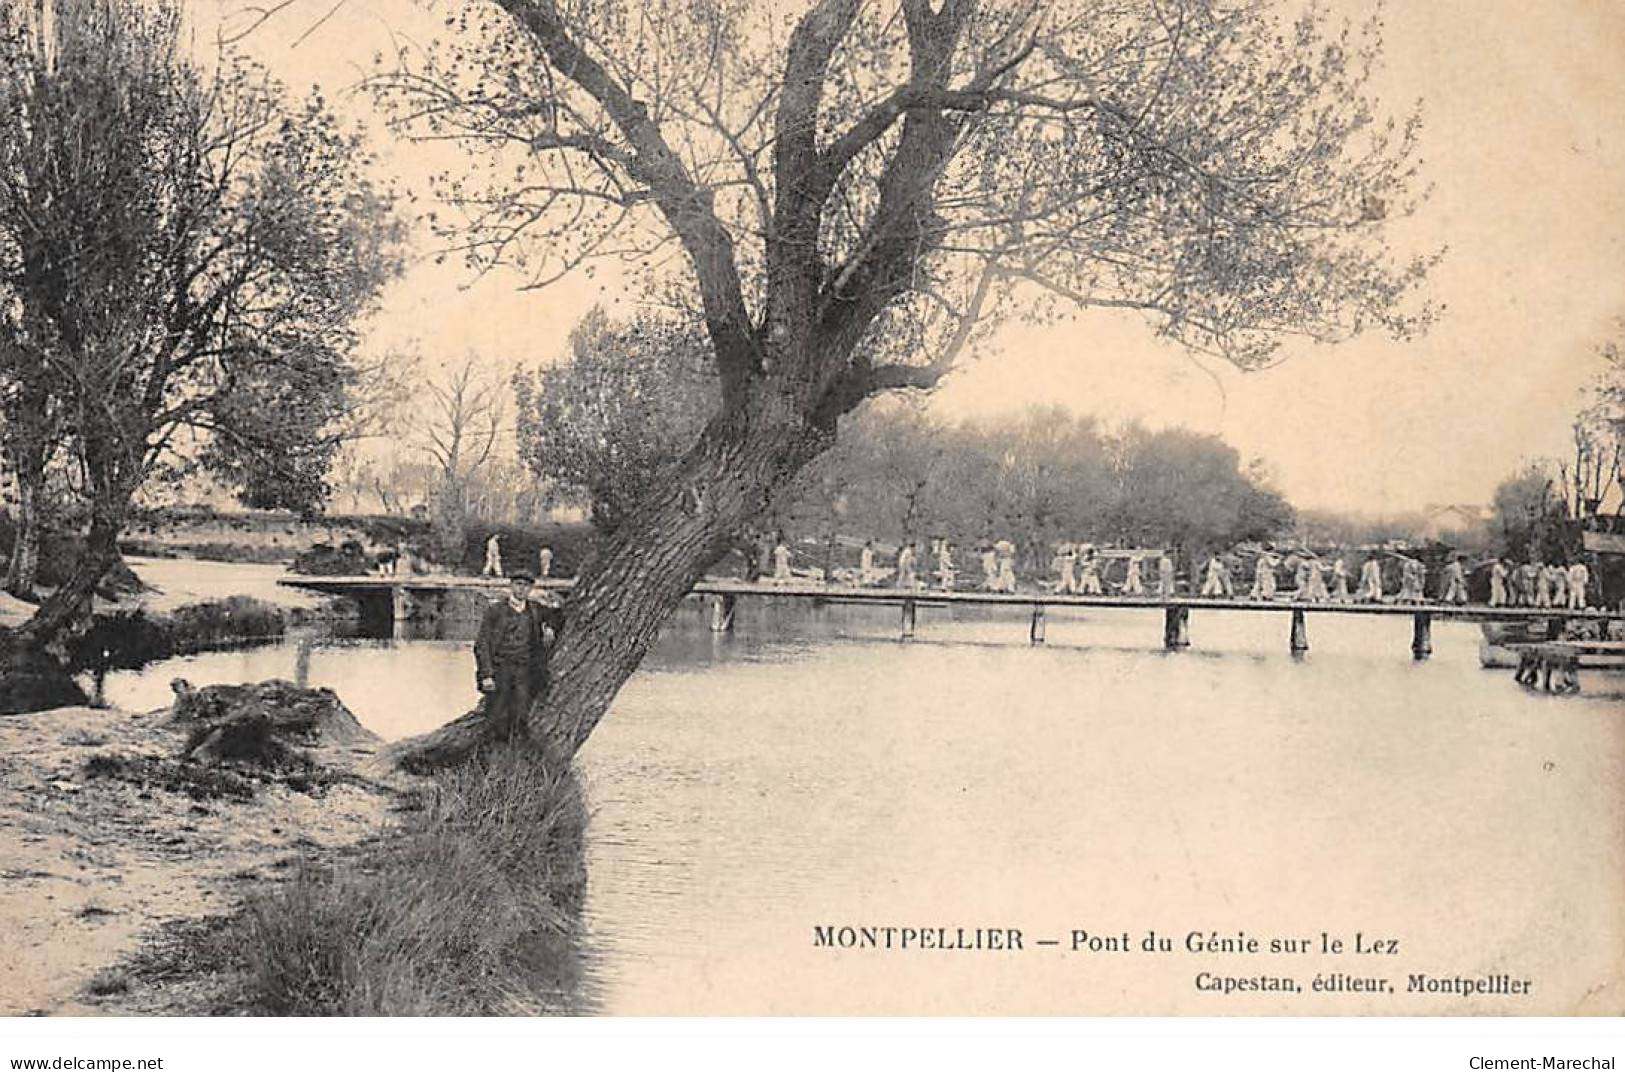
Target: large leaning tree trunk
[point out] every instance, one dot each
(652, 560)
(855, 184)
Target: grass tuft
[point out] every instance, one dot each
(473, 910)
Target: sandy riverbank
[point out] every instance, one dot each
(95, 864)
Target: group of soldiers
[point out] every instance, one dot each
(1316, 581)
(1081, 569)
(997, 561)
(913, 569)
(1532, 584)
(1539, 584)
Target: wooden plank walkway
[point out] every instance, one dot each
(380, 585)
(413, 596)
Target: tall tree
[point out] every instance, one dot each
(465, 415)
(1527, 505)
(188, 250)
(628, 402)
(845, 192)
(1182, 489)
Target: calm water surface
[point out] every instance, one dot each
(810, 770)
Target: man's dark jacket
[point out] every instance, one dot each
(540, 618)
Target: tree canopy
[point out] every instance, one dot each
(853, 186)
(626, 403)
(184, 253)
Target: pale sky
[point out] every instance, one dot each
(1524, 141)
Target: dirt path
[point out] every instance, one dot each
(93, 863)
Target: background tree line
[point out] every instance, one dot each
(631, 396)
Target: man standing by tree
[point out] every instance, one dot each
(510, 654)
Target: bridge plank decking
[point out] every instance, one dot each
(379, 585)
(414, 595)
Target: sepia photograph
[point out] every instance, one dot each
(823, 508)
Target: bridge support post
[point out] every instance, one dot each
(722, 614)
(400, 603)
(1036, 634)
(908, 619)
(1421, 636)
(1300, 632)
(1176, 628)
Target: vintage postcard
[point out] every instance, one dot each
(841, 508)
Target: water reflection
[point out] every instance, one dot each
(808, 769)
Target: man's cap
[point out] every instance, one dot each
(521, 575)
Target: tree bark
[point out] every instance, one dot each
(69, 607)
(22, 571)
(642, 572)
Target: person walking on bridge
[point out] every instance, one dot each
(1579, 577)
(781, 562)
(1165, 576)
(1089, 576)
(1453, 581)
(1213, 585)
(1066, 564)
(947, 575)
(1263, 577)
(1560, 584)
(866, 564)
(1007, 567)
(493, 557)
(905, 566)
(1132, 584)
(1340, 580)
(1315, 582)
(1498, 583)
(1412, 577)
(510, 654)
(1301, 567)
(1543, 584)
(990, 568)
(1370, 582)
(1528, 585)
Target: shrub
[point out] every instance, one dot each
(323, 560)
(132, 638)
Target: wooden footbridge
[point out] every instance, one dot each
(408, 597)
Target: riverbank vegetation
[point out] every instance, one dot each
(471, 907)
(132, 638)
(471, 910)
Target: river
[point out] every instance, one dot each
(809, 770)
